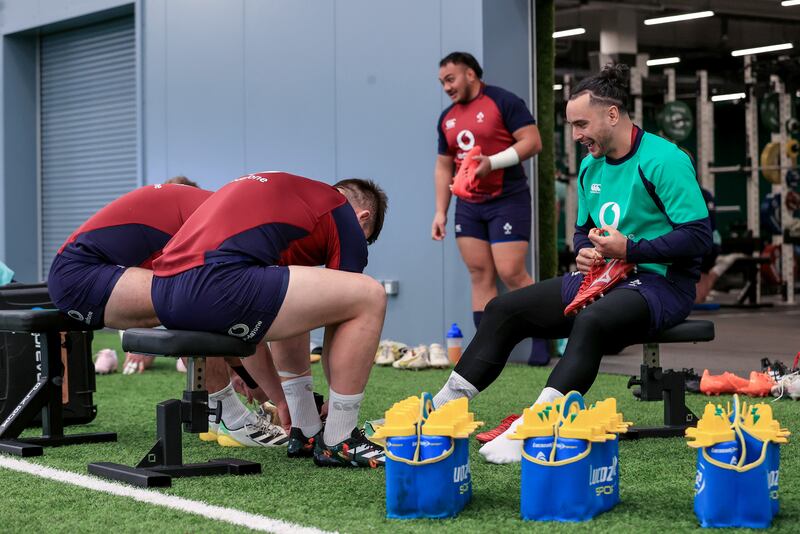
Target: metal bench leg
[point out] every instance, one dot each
(667, 386)
(165, 459)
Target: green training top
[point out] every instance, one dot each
(646, 194)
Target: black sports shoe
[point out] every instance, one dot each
(692, 380)
(355, 451)
(299, 445)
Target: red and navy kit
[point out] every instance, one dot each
(129, 232)
(226, 269)
(489, 120)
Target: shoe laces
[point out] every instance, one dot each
(265, 425)
(784, 382)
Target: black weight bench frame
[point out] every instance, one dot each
(165, 458)
(667, 385)
(45, 395)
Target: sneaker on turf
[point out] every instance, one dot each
(414, 358)
(299, 446)
(691, 379)
(489, 435)
(389, 352)
(788, 385)
(261, 433)
(760, 385)
(212, 434)
(725, 383)
(437, 356)
(599, 280)
(465, 180)
(269, 411)
(355, 451)
(105, 361)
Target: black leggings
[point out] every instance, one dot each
(618, 319)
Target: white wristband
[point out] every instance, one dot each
(506, 158)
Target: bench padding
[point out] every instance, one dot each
(686, 332)
(183, 343)
(39, 321)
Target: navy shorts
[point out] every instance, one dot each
(496, 221)
(80, 286)
(237, 299)
(669, 305)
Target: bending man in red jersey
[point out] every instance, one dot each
(241, 266)
(102, 276)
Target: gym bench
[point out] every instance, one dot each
(45, 396)
(667, 385)
(165, 459)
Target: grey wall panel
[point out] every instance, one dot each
(20, 15)
(204, 90)
(387, 103)
(20, 235)
(88, 125)
(289, 88)
(154, 91)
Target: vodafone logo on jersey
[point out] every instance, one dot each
(615, 212)
(465, 140)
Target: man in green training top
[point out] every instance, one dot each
(638, 201)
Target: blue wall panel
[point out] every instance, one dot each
(387, 104)
(289, 88)
(205, 90)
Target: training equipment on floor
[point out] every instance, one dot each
(570, 459)
(670, 386)
(738, 459)
(165, 459)
(427, 458)
(33, 338)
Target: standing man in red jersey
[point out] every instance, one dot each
(492, 220)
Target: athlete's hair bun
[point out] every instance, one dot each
(618, 74)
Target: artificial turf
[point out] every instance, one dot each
(656, 475)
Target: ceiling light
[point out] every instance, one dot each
(759, 49)
(787, 3)
(679, 18)
(557, 87)
(731, 96)
(663, 61)
(568, 33)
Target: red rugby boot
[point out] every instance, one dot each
(465, 180)
(597, 282)
(489, 435)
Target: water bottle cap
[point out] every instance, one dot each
(454, 331)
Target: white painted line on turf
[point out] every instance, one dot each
(229, 515)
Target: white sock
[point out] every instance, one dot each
(342, 416)
(502, 450)
(455, 388)
(548, 395)
(299, 394)
(234, 413)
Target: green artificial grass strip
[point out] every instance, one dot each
(657, 475)
(33, 504)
